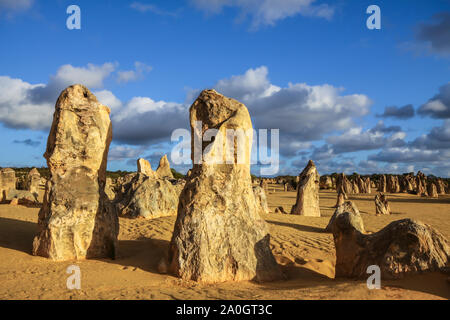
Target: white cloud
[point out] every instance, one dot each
(16, 108)
(267, 12)
(91, 76)
(302, 113)
(120, 153)
(133, 75)
(24, 105)
(107, 98)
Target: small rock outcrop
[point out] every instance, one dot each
(144, 167)
(347, 206)
(261, 199)
(77, 220)
(7, 182)
(340, 199)
(33, 181)
(382, 204)
(307, 203)
(163, 170)
(149, 198)
(22, 197)
(432, 190)
(403, 247)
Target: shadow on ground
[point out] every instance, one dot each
(297, 226)
(17, 234)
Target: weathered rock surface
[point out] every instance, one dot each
(432, 190)
(76, 220)
(382, 184)
(307, 203)
(147, 197)
(382, 204)
(24, 197)
(261, 200)
(163, 170)
(340, 199)
(403, 247)
(326, 182)
(144, 167)
(7, 181)
(33, 181)
(343, 184)
(347, 206)
(219, 235)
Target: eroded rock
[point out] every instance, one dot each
(77, 220)
(403, 247)
(307, 203)
(219, 235)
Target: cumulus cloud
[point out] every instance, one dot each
(92, 76)
(430, 151)
(303, 113)
(437, 139)
(107, 98)
(143, 120)
(267, 12)
(406, 154)
(133, 75)
(436, 35)
(120, 153)
(18, 110)
(438, 107)
(356, 139)
(25, 105)
(401, 113)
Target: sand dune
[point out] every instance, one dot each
(305, 253)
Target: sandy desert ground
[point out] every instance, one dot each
(305, 254)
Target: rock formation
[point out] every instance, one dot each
(368, 185)
(326, 182)
(147, 197)
(261, 200)
(144, 167)
(440, 185)
(392, 184)
(263, 184)
(163, 170)
(432, 190)
(7, 182)
(382, 204)
(33, 181)
(343, 184)
(307, 203)
(219, 235)
(355, 187)
(347, 206)
(421, 184)
(340, 199)
(280, 210)
(76, 220)
(23, 197)
(382, 184)
(402, 247)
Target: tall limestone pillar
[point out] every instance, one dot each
(219, 235)
(76, 220)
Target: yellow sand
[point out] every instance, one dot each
(305, 254)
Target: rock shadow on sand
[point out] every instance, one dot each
(17, 234)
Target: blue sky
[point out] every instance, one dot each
(309, 68)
